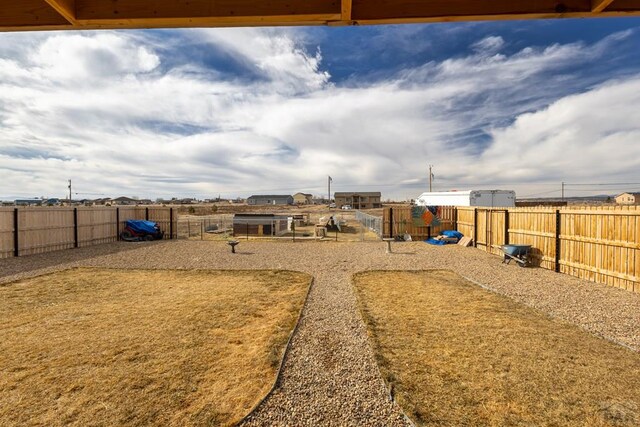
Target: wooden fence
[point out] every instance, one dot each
(33, 230)
(396, 220)
(600, 244)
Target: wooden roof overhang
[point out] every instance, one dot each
(30, 15)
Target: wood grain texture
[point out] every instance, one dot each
(598, 6)
(600, 244)
(66, 8)
(120, 14)
(25, 13)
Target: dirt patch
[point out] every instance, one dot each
(138, 347)
(455, 354)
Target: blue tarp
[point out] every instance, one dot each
(453, 233)
(142, 226)
(433, 241)
(449, 233)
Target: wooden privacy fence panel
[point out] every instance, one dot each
(96, 226)
(535, 227)
(46, 229)
(466, 220)
(6, 232)
(397, 220)
(601, 244)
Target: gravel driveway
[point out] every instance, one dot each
(330, 376)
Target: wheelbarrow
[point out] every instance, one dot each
(519, 253)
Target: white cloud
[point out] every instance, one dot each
(105, 110)
(489, 44)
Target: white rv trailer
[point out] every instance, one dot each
(484, 198)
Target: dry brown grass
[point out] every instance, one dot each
(138, 348)
(456, 354)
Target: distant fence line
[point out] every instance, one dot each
(600, 244)
(27, 231)
(373, 223)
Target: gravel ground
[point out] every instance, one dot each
(330, 376)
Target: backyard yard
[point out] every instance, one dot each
(192, 334)
(95, 346)
(456, 354)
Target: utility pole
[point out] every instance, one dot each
(563, 191)
(329, 179)
(69, 192)
(430, 177)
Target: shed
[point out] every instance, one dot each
(259, 224)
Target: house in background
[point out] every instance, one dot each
(124, 201)
(270, 199)
(628, 199)
(357, 200)
(28, 202)
(303, 199)
(105, 201)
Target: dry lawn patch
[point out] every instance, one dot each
(139, 348)
(456, 354)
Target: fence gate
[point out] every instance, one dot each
(483, 229)
(490, 230)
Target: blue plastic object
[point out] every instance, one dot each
(453, 233)
(141, 226)
(437, 242)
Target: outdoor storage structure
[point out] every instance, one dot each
(270, 199)
(484, 198)
(259, 225)
(364, 200)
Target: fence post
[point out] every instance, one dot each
(506, 227)
(117, 224)
(557, 260)
(428, 232)
(170, 223)
(16, 238)
(475, 227)
(455, 219)
(146, 214)
(391, 222)
(75, 227)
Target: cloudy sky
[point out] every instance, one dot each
(197, 113)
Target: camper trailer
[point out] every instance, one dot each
(484, 198)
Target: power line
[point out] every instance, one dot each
(605, 184)
(540, 194)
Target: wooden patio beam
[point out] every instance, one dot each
(23, 15)
(346, 7)
(598, 6)
(146, 13)
(66, 8)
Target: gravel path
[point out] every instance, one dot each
(330, 376)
